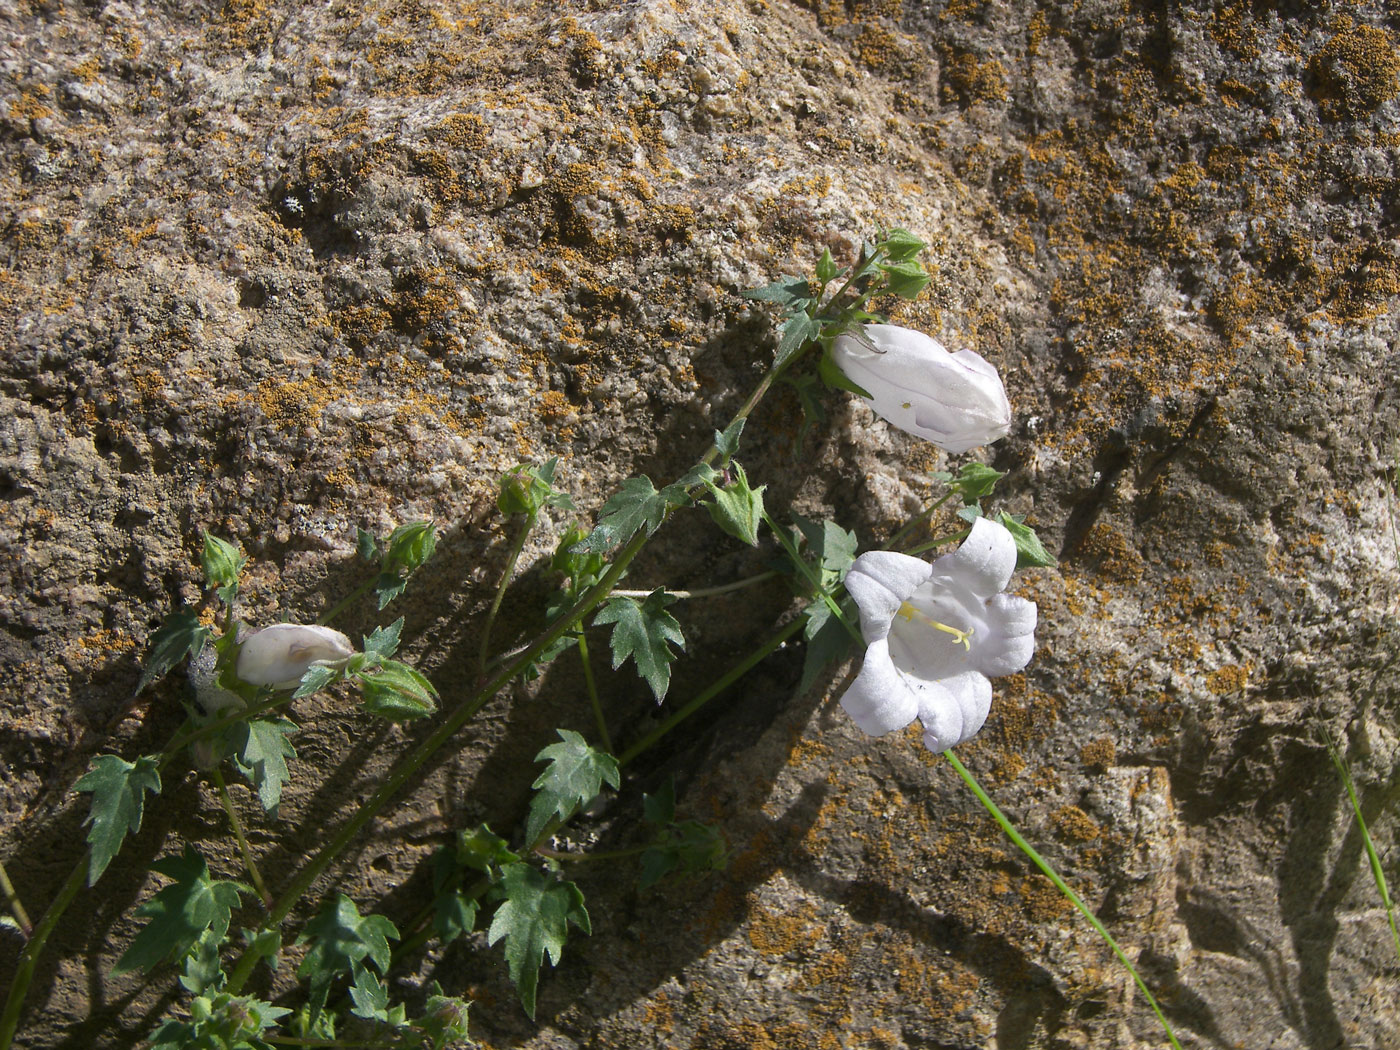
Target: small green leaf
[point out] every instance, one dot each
(826, 267)
(737, 508)
(974, 482)
(575, 775)
(690, 847)
(644, 632)
(1030, 553)
(481, 849)
(222, 563)
(660, 808)
(806, 386)
(534, 921)
(905, 279)
(314, 679)
(636, 505)
(384, 642)
(397, 692)
(409, 546)
(833, 547)
(118, 795)
(260, 751)
(526, 489)
(366, 546)
(727, 440)
(371, 999)
(181, 913)
(202, 972)
(454, 915)
(796, 332)
(264, 944)
(341, 938)
(785, 291)
(827, 641)
(181, 635)
(388, 587)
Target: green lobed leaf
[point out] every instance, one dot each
(371, 999)
(637, 504)
(644, 632)
(575, 775)
(791, 292)
(341, 939)
(118, 799)
(316, 678)
(181, 635)
(534, 921)
(366, 546)
(260, 751)
(384, 642)
(202, 971)
(796, 332)
(1030, 552)
(827, 641)
(181, 913)
(833, 547)
(737, 508)
(974, 481)
(397, 692)
(220, 1022)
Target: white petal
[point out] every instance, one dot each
(879, 700)
(1011, 636)
(880, 582)
(955, 711)
(985, 561)
(280, 654)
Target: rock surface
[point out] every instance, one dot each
(280, 270)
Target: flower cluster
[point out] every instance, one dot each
(936, 633)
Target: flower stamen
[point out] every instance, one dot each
(963, 638)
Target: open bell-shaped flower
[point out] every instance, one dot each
(280, 654)
(936, 634)
(956, 400)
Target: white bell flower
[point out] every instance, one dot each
(936, 634)
(955, 400)
(279, 655)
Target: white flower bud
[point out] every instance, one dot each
(955, 400)
(279, 655)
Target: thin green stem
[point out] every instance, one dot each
(914, 522)
(1060, 884)
(812, 579)
(484, 651)
(704, 592)
(13, 902)
(592, 687)
(29, 957)
(1377, 870)
(345, 603)
(942, 541)
(237, 825)
(736, 672)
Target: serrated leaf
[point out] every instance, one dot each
(699, 474)
(575, 775)
(827, 641)
(181, 635)
(785, 291)
(454, 914)
(796, 332)
(660, 808)
(737, 508)
(397, 692)
(202, 972)
(636, 505)
(534, 921)
(384, 642)
(341, 938)
(118, 790)
(260, 751)
(833, 547)
(366, 546)
(315, 678)
(371, 999)
(181, 912)
(727, 440)
(645, 633)
(389, 586)
(1030, 552)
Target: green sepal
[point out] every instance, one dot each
(737, 508)
(1030, 552)
(834, 378)
(526, 489)
(900, 245)
(974, 481)
(905, 279)
(397, 692)
(222, 563)
(826, 267)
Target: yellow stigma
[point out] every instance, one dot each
(964, 638)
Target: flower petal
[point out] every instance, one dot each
(880, 582)
(955, 710)
(1012, 636)
(280, 654)
(880, 700)
(985, 561)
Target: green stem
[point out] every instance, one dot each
(349, 600)
(813, 581)
(237, 825)
(1377, 870)
(942, 541)
(738, 671)
(913, 523)
(29, 958)
(13, 902)
(704, 592)
(592, 687)
(1060, 884)
(484, 652)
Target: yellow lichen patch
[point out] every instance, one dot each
(966, 79)
(1232, 678)
(1098, 755)
(776, 934)
(1074, 824)
(293, 403)
(1355, 71)
(1106, 550)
